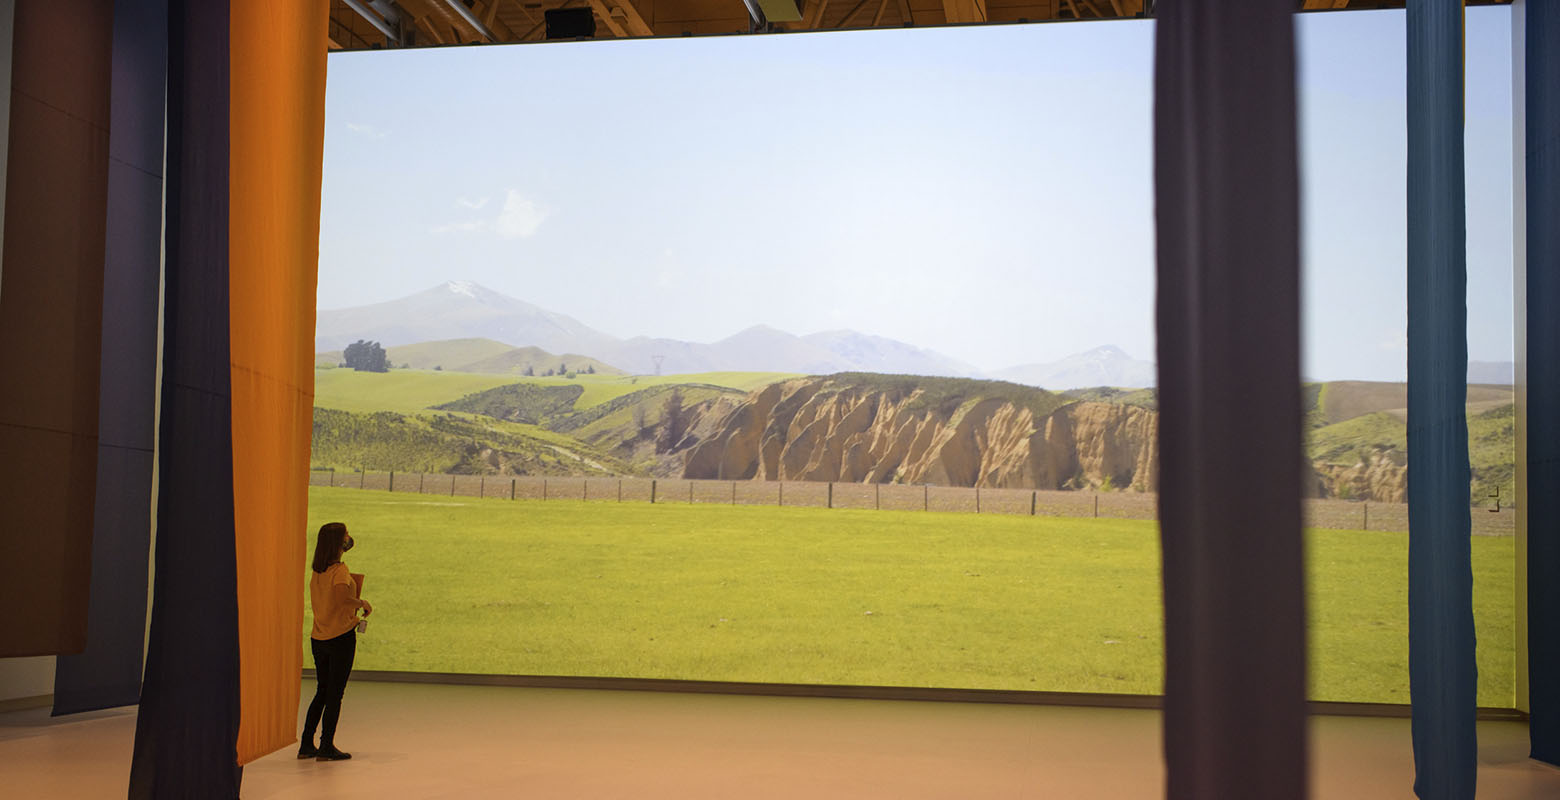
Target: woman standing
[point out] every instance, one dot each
(333, 596)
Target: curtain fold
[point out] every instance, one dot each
(278, 133)
(1443, 680)
(187, 730)
(1542, 50)
(1227, 210)
(108, 672)
(50, 319)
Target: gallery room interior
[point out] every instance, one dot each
(182, 186)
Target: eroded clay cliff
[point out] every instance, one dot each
(828, 429)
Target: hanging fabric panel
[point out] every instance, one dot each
(1542, 50)
(1443, 680)
(1227, 210)
(108, 672)
(278, 117)
(50, 320)
(187, 730)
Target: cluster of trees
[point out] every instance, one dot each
(563, 369)
(365, 357)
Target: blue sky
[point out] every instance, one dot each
(983, 192)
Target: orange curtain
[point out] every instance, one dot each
(277, 122)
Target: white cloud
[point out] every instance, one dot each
(367, 130)
(459, 227)
(520, 216)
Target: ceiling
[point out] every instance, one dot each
(372, 24)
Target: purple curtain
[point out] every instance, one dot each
(1227, 209)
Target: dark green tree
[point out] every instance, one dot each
(674, 422)
(366, 357)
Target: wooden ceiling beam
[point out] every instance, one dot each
(964, 10)
(606, 17)
(633, 21)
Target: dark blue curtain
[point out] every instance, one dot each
(187, 730)
(108, 672)
(1227, 208)
(1443, 679)
(1543, 363)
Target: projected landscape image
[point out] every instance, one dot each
(863, 421)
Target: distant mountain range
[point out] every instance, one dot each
(1103, 366)
(465, 310)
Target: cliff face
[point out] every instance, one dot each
(825, 429)
(1381, 475)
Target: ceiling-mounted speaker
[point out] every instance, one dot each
(570, 23)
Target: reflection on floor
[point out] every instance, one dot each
(426, 741)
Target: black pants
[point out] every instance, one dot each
(332, 666)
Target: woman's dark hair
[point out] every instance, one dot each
(327, 549)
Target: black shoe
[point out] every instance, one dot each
(331, 754)
(307, 751)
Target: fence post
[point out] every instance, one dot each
(544, 488)
(926, 497)
(690, 493)
(831, 494)
(452, 485)
(584, 489)
(620, 490)
(1034, 497)
(512, 482)
(482, 492)
(1367, 515)
(362, 476)
(977, 499)
(1096, 505)
(420, 477)
(733, 492)
(877, 497)
(332, 477)
(652, 491)
(781, 501)
(392, 481)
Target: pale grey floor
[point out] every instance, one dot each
(422, 741)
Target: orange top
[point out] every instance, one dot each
(332, 617)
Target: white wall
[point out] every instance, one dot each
(26, 677)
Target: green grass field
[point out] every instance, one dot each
(806, 595)
(410, 391)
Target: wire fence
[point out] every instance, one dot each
(1335, 514)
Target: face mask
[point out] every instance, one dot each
(348, 545)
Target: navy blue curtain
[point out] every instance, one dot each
(187, 731)
(108, 672)
(1227, 209)
(1542, 51)
(1443, 678)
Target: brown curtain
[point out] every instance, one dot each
(50, 320)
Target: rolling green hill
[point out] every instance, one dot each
(519, 402)
(450, 443)
(483, 356)
(1491, 439)
(407, 391)
(410, 391)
